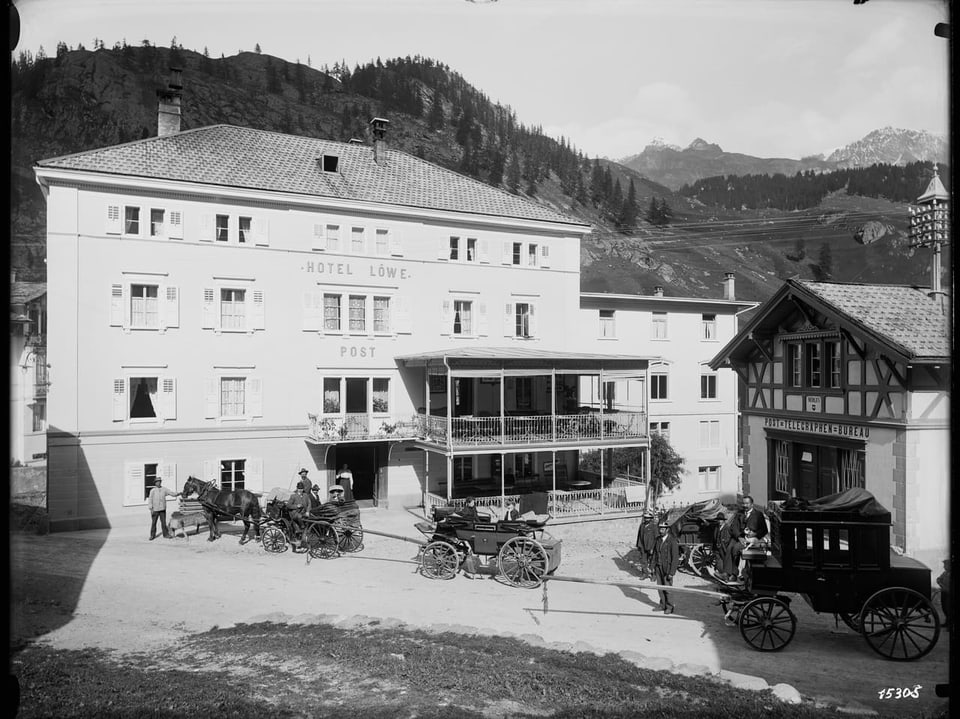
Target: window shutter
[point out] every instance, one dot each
(114, 223)
(207, 228)
(446, 317)
(253, 475)
(116, 305)
(261, 231)
(507, 258)
(119, 399)
(319, 236)
(400, 319)
(208, 315)
(443, 248)
(257, 313)
(482, 324)
(509, 324)
(396, 246)
(544, 256)
(254, 391)
(484, 251)
(168, 398)
(313, 312)
(211, 399)
(170, 309)
(175, 225)
(533, 320)
(133, 488)
(168, 472)
(211, 472)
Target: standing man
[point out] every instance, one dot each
(667, 563)
(157, 503)
(298, 507)
(647, 542)
(345, 480)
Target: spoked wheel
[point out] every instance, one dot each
(767, 624)
(273, 540)
(351, 538)
(851, 620)
(523, 562)
(699, 558)
(899, 624)
(321, 540)
(439, 560)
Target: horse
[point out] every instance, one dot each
(240, 503)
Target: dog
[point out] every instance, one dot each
(177, 525)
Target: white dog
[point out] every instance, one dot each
(176, 525)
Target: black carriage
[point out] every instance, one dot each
(329, 529)
(835, 553)
(696, 527)
(520, 550)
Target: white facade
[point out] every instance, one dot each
(28, 375)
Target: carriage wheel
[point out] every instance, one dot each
(523, 562)
(851, 620)
(351, 538)
(701, 556)
(899, 624)
(273, 540)
(321, 540)
(439, 560)
(767, 624)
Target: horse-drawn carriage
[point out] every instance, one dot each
(835, 553)
(328, 529)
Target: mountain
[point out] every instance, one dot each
(893, 147)
(83, 99)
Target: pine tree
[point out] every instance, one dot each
(824, 269)
(513, 173)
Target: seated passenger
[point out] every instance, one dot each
(510, 511)
(469, 510)
(298, 506)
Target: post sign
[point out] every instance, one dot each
(814, 403)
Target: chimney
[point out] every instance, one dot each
(168, 113)
(378, 126)
(658, 291)
(728, 286)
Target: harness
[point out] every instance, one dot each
(203, 495)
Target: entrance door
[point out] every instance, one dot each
(364, 462)
(808, 471)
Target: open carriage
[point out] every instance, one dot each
(696, 526)
(328, 530)
(520, 550)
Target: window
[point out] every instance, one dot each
(144, 307)
(815, 364)
(462, 317)
(607, 328)
(381, 314)
(357, 241)
(331, 313)
(232, 474)
(708, 478)
(382, 241)
(850, 468)
(131, 220)
(244, 235)
(524, 319)
(710, 434)
(156, 223)
(709, 325)
(531, 255)
(39, 412)
(233, 397)
(659, 326)
(781, 480)
(813, 367)
(233, 309)
(658, 386)
(358, 313)
(331, 395)
(708, 386)
(144, 398)
(454, 248)
(661, 428)
(150, 474)
(462, 469)
(517, 252)
(381, 394)
(333, 238)
(222, 228)
(833, 362)
(524, 392)
(471, 249)
(140, 477)
(796, 374)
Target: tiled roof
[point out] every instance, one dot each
(258, 159)
(904, 316)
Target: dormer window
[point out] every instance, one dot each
(330, 163)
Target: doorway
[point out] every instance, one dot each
(365, 462)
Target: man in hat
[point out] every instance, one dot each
(298, 506)
(336, 494)
(646, 542)
(157, 504)
(315, 495)
(667, 562)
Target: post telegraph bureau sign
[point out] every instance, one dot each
(348, 269)
(834, 429)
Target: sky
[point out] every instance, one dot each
(770, 78)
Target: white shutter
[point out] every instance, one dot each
(168, 398)
(211, 398)
(211, 471)
(443, 248)
(257, 317)
(170, 307)
(484, 253)
(533, 320)
(208, 314)
(312, 311)
(253, 475)
(509, 324)
(175, 225)
(207, 228)
(507, 258)
(133, 487)
(114, 223)
(254, 392)
(117, 302)
(482, 324)
(396, 246)
(400, 319)
(261, 231)
(319, 236)
(168, 472)
(544, 256)
(119, 399)
(446, 317)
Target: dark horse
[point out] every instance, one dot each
(239, 503)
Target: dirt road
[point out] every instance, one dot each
(119, 591)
